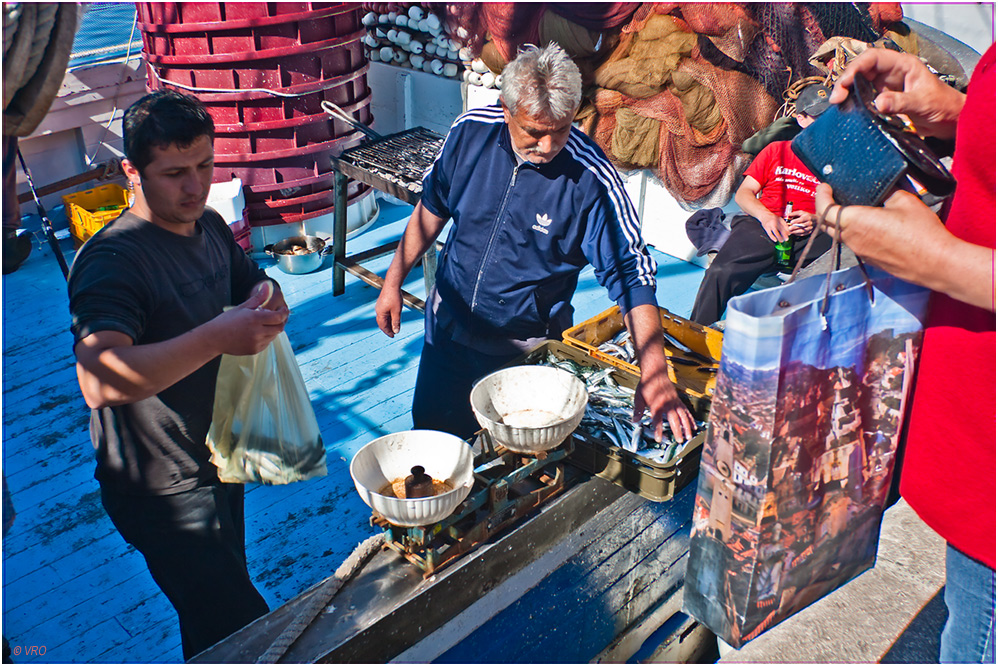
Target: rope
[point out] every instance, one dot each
(790, 95)
(320, 599)
(43, 30)
(195, 89)
(11, 19)
(117, 93)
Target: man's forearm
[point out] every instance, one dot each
(421, 232)
(112, 371)
(645, 324)
(750, 205)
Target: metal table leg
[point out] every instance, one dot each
(339, 232)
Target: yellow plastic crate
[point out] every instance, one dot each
(593, 332)
(91, 209)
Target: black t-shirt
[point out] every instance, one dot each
(153, 285)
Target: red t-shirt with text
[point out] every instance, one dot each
(783, 178)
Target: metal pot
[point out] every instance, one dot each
(296, 264)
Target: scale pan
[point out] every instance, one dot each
(445, 457)
(529, 408)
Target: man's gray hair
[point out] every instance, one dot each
(544, 82)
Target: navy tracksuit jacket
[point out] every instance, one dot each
(523, 233)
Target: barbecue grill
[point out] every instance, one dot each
(394, 164)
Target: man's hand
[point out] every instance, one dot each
(775, 227)
(388, 310)
(273, 296)
(657, 394)
(249, 327)
(907, 87)
(906, 239)
(800, 223)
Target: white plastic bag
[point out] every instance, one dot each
(263, 428)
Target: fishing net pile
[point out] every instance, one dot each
(675, 87)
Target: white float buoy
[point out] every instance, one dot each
(450, 70)
(386, 53)
(369, 19)
(416, 12)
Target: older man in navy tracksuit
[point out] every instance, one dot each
(534, 201)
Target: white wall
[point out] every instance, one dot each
(973, 23)
(403, 98)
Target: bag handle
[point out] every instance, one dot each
(837, 249)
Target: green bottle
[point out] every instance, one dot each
(784, 250)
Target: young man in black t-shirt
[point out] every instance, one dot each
(147, 294)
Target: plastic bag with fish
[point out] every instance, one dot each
(263, 427)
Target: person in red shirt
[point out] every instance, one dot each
(777, 199)
(948, 474)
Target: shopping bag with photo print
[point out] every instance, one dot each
(801, 442)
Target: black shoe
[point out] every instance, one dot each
(16, 248)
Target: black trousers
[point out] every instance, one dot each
(744, 258)
(447, 371)
(194, 545)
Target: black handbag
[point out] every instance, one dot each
(863, 154)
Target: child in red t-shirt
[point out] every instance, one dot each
(777, 199)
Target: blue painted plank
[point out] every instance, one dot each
(361, 386)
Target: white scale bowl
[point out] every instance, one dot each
(529, 408)
(445, 457)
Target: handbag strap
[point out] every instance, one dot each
(837, 250)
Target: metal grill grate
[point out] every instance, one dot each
(401, 158)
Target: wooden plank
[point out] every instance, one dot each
(159, 642)
(360, 382)
(412, 608)
(576, 611)
(103, 171)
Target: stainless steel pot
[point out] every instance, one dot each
(309, 260)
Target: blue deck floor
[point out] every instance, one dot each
(71, 587)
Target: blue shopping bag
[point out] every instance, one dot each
(800, 448)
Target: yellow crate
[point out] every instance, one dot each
(593, 332)
(89, 210)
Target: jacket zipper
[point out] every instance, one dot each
(492, 237)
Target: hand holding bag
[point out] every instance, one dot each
(800, 446)
(263, 427)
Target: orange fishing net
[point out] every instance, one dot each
(679, 86)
